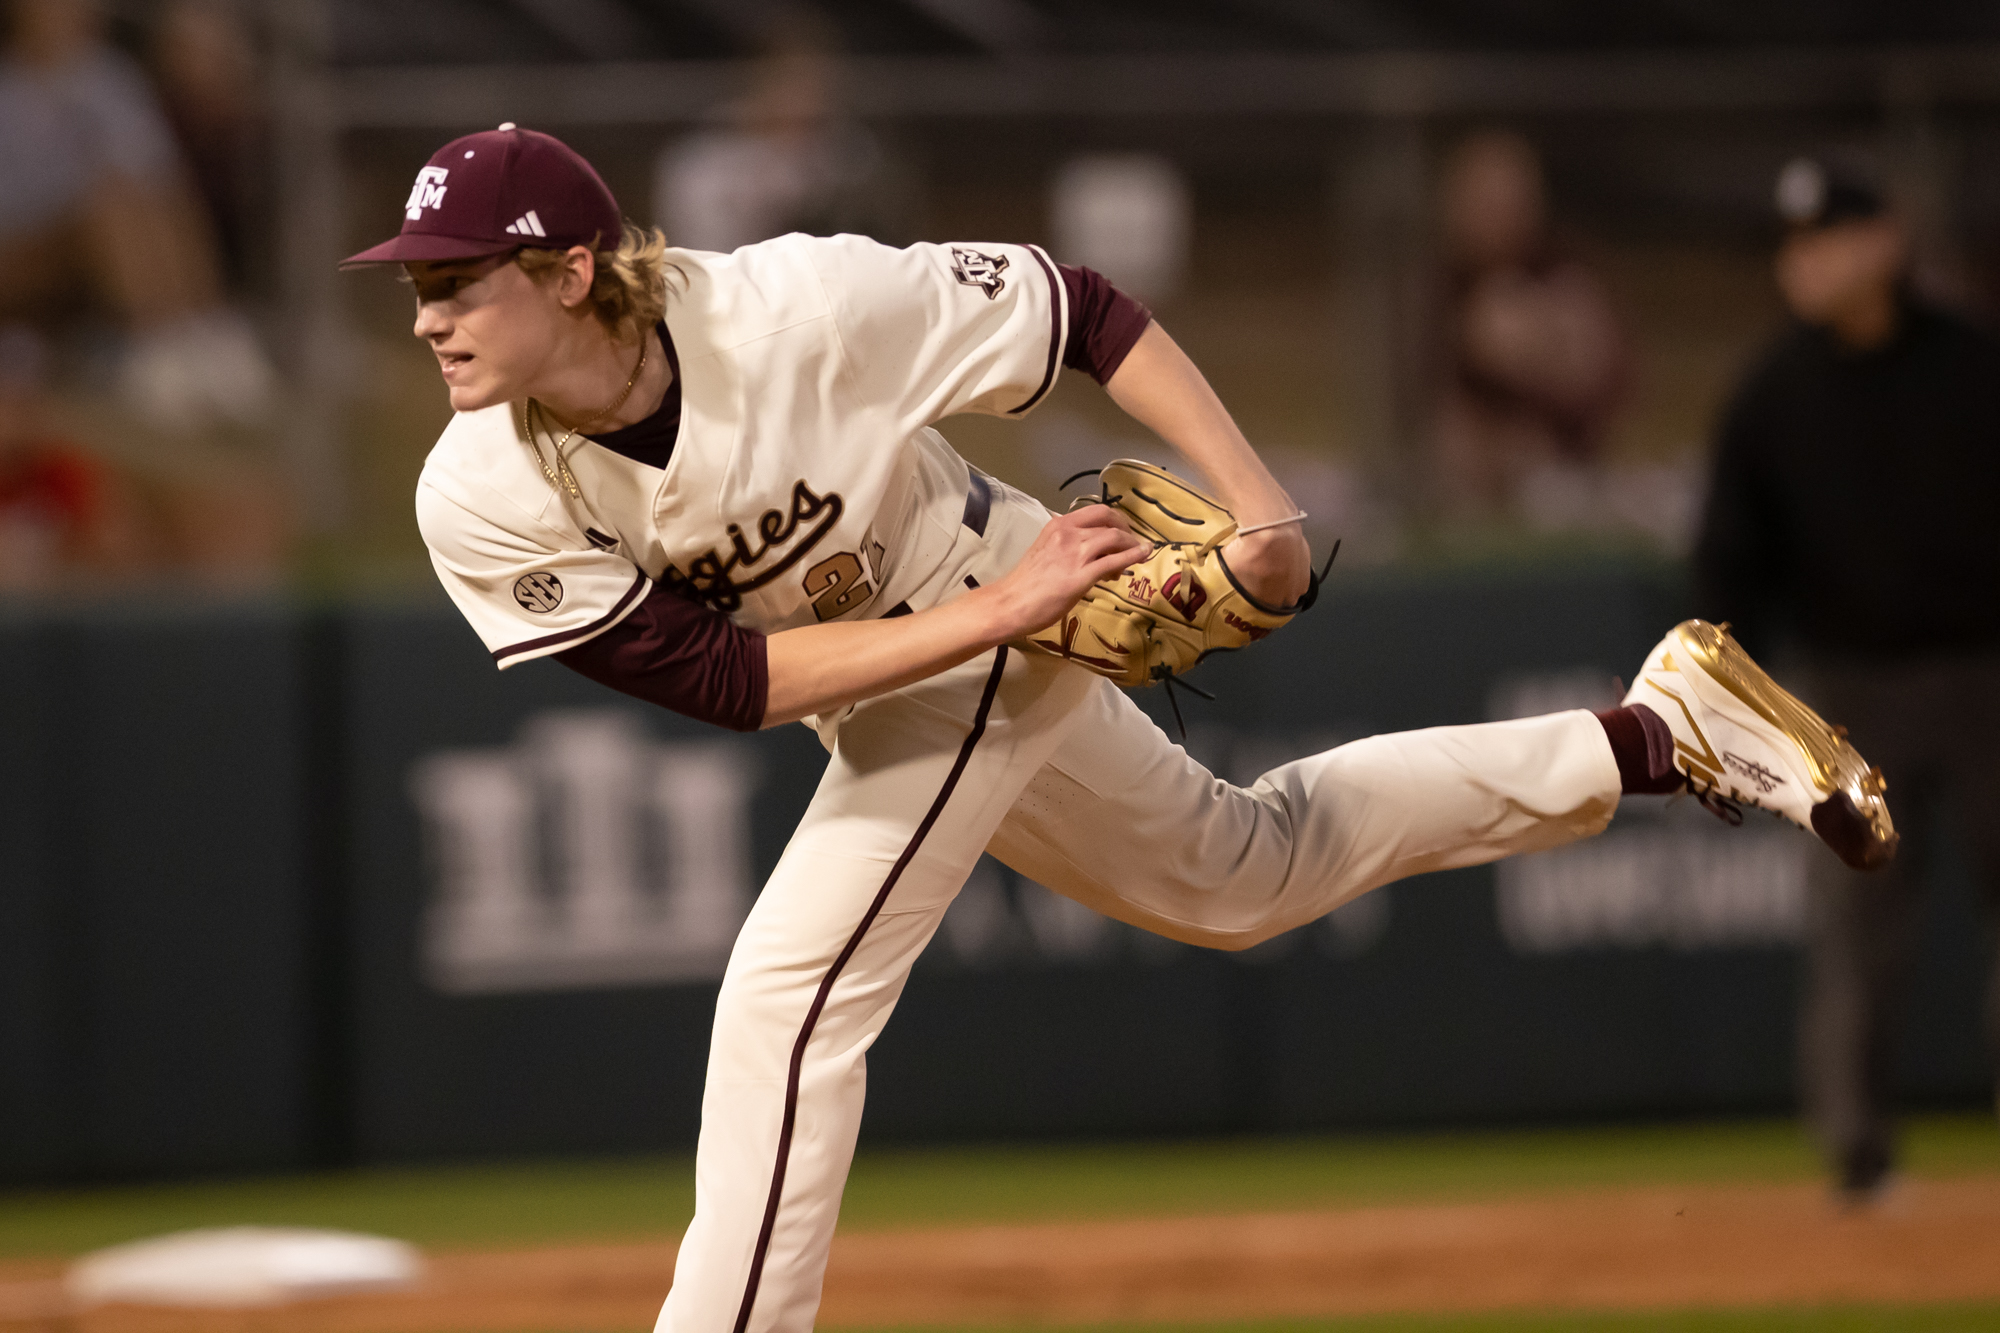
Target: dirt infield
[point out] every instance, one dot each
(1662, 1248)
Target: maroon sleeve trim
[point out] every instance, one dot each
(1058, 330)
(500, 655)
(1104, 323)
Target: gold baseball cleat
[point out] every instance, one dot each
(1740, 738)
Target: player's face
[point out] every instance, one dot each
(492, 327)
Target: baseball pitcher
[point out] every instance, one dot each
(713, 481)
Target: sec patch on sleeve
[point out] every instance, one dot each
(539, 593)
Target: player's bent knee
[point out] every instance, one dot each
(1245, 926)
(1227, 939)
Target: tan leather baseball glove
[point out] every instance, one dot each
(1166, 613)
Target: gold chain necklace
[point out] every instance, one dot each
(559, 476)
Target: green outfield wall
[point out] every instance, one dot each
(290, 885)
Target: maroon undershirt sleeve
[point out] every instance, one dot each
(1103, 323)
(679, 654)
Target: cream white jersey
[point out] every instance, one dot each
(805, 483)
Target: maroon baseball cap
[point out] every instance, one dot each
(495, 190)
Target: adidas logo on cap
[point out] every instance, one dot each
(525, 225)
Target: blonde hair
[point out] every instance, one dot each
(629, 293)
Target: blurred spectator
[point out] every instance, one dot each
(63, 512)
(1851, 508)
(787, 158)
(206, 65)
(97, 205)
(1536, 363)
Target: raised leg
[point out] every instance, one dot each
(1123, 821)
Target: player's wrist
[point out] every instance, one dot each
(1262, 505)
(994, 614)
(1281, 542)
(1274, 565)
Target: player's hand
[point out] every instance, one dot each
(1274, 566)
(1072, 552)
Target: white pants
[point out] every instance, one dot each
(1068, 782)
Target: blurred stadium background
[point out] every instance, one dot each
(295, 884)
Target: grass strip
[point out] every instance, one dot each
(526, 1203)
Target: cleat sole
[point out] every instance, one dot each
(1851, 835)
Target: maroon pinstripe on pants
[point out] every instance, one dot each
(833, 974)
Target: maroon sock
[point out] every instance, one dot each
(1644, 749)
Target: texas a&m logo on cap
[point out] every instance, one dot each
(428, 192)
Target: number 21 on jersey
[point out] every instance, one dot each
(837, 584)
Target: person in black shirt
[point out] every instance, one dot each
(1851, 514)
